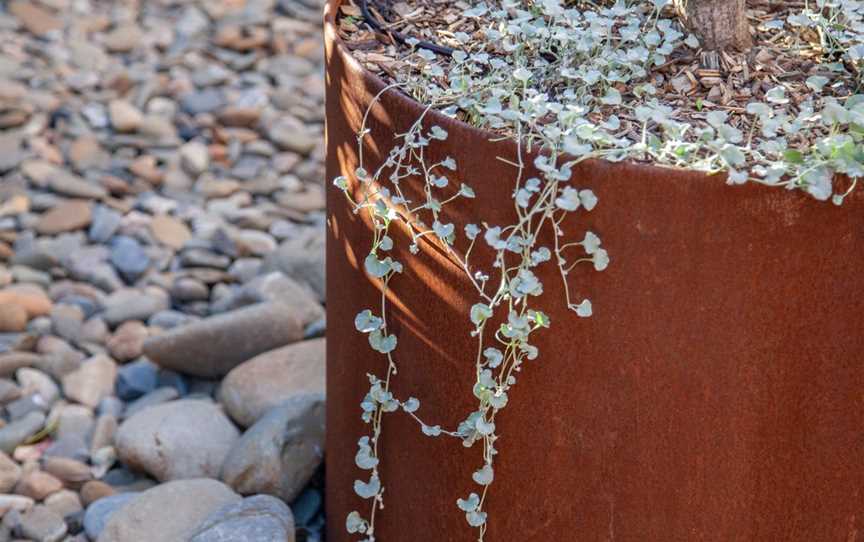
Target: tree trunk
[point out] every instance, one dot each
(719, 24)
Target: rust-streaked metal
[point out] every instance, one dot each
(716, 395)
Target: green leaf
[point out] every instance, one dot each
(793, 156)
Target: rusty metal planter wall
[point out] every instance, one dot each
(717, 394)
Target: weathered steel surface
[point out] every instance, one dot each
(717, 394)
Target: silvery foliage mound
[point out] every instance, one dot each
(559, 68)
(555, 91)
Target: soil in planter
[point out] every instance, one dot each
(761, 114)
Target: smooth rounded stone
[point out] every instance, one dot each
(96, 115)
(94, 490)
(32, 253)
(169, 512)
(189, 289)
(123, 38)
(60, 364)
(267, 380)
(35, 381)
(37, 485)
(29, 403)
(281, 452)
(38, 20)
(68, 184)
(207, 100)
(159, 129)
(255, 243)
(302, 259)
(275, 287)
(21, 407)
(255, 519)
(15, 502)
(124, 116)
(170, 319)
(126, 305)
(198, 257)
(73, 420)
(245, 269)
(154, 398)
(64, 503)
(103, 432)
(42, 524)
(91, 382)
(195, 157)
(12, 318)
(129, 258)
(170, 231)
(92, 268)
(215, 345)
(187, 438)
(10, 473)
(67, 321)
(9, 391)
(94, 331)
(146, 167)
(86, 153)
(128, 341)
(69, 446)
(86, 304)
(111, 405)
(70, 471)
(100, 511)
(24, 274)
(137, 379)
(290, 134)
(20, 430)
(104, 224)
(10, 362)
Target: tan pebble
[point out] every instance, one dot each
(30, 296)
(95, 490)
(12, 318)
(68, 470)
(38, 484)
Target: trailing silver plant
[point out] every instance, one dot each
(507, 288)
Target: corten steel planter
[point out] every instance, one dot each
(717, 394)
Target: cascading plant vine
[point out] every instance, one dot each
(509, 291)
(554, 89)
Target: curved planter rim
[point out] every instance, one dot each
(335, 45)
